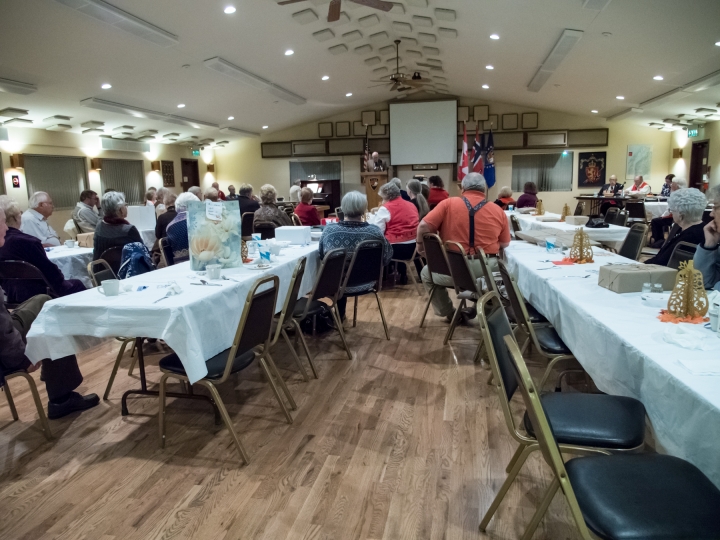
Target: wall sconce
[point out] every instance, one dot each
(96, 164)
(211, 167)
(17, 161)
(156, 166)
(677, 153)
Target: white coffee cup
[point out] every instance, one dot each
(714, 315)
(70, 243)
(110, 287)
(213, 271)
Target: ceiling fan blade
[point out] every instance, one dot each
(378, 85)
(285, 2)
(334, 11)
(395, 86)
(376, 4)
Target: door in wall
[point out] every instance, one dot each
(190, 173)
(698, 163)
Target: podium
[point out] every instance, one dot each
(373, 182)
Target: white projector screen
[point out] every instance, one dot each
(423, 133)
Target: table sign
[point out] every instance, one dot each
(214, 241)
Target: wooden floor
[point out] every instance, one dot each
(404, 441)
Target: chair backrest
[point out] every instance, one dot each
(339, 213)
(329, 278)
(580, 208)
(166, 252)
(292, 297)
(634, 241)
(435, 255)
(265, 228)
(78, 228)
(636, 209)
(517, 302)
(460, 270)
(23, 271)
(683, 252)
(490, 283)
(365, 265)
(515, 223)
(620, 219)
(98, 275)
(246, 223)
(543, 432)
(296, 220)
(611, 215)
(113, 256)
(256, 320)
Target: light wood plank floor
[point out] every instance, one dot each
(404, 441)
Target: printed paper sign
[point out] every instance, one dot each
(214, 211)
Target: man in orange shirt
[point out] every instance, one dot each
(473, 223)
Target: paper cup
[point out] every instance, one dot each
(70, 243)
(110, 287)
(213, 271)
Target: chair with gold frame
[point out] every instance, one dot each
(616, 497)
(251, 342)
(583, 423)
(410, 269)
(36, 398)
(296, 220)
(436, 264)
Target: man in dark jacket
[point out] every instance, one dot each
(247, 202)
(61, 376)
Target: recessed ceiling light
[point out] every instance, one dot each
(181, 106)
(231, 118)
(325, 77)
(106, 86)
(230, 10)
(620, 97)
(489, 67)
(485, 86)
(717, 43)
(349, 94)
(594, 111)
(289, 52)
(494, 36)
(658, 78)
(265, 127)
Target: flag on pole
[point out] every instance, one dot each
(366, 156)
(464, 162)
(489, 173)
(476, 160)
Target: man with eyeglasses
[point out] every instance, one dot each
(34, 219)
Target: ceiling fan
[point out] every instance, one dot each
(399, 81)
(334, 11)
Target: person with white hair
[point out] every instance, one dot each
(221, 195)
(114, 230)
(34, 221)
(707, 256)
(505, 197)
(347, 234)
(160, 206)
(658, 225)
(211, 195)
(403, 193)
(269, 211)
(177, 231)
(166, 217)
(295, 191)
(375, 163)
(195, 190)
(23, 247)
(474, 224)
(687, 207)
(639, 188)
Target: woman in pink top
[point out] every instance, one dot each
(437, 191)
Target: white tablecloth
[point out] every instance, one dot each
(656, 208)
(613, 235)
(148, 237)
(618, 340)
(72, 262)
(197, 324)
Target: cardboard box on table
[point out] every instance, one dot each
(294, 235)
(85, 239)
(627, 278)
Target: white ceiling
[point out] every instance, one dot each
(68, 55)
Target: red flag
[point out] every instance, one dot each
(464, 162)
(476, 160)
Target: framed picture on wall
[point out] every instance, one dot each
(530, 120)
(481, 113)
(368, 118)
(591, 169)
(510, 121)
(491, 123)
(325, 129)
(385, 118)
(378, 129)
(342, 129)
(358, 129)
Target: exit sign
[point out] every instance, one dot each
(197, 152)
(692, 132)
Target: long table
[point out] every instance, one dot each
(619, 342)
(614, 235)
(72, 262)
(197, 324)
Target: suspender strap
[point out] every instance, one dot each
(472, 211)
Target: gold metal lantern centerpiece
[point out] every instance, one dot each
(688, 299)
(539, 208)
(581, 251)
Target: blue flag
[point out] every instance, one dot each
(489, 172)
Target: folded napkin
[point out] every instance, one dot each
(688, 337)
(701, 367)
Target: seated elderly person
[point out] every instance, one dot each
(659, 224)
(687, 207)
(211, 195)
(221, 195)
(269, 211)
(403, 193)
(177, 231)
(639, 188)
(34, 221)
(160, 205)
(472, 223)
(398, 220)
(707, 256)
(232, 196)
(417, 198)
(248, 203)
(151, 197)
(23, 247)
(505, 198)
(195, 190)
(305, 210)
(114, 230)
(347, 234)
(86, 212)
(167, 216)
(667, 186)
(529, 197)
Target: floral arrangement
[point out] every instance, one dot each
(212, 241)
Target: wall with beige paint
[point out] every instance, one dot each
(681, 166)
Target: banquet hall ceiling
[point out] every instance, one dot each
(68, 55)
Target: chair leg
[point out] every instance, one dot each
(409, 271)
(274, 387)
(549, 369)
(427, 305)
(11, 402)
(479, 352)
(355, 312)
(116, 366)
(134, 359)
(340, 330)
(298, 332)
(280, 380)
(519, 462)
(382, 316)
(453, 323)
(490, 379)
(161, 408)
(38, 404)
(542, 509)
(294, 355)
(226, 418)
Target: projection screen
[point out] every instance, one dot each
(423, 133)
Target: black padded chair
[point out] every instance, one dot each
(683, 252)
(634, 241)
(583, 423)
(265, 228)
(437, 264)
(99, 271)
(467, 286)
(620, 219)
(611, 215)
(327, 285)
(246, 225)
(23, 271)
(166, 252)
(251, 342)
(515, 224)
(618, 497)
(44, 424)
(636, 211)
(113, 256)
(339, 213)
(365, 268)
(580, 208)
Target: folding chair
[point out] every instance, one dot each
(296, 220)
(265, 228)
(611, 215)
(636, 211)
(634, 241)
(36, 398)
(436, 264)
(410, 267)
(683, 252)
(515, 224)
(113, 256)
(23, 271)
(166, 252)
(246, 225)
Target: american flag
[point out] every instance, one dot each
(477, 153)
(366, 157)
